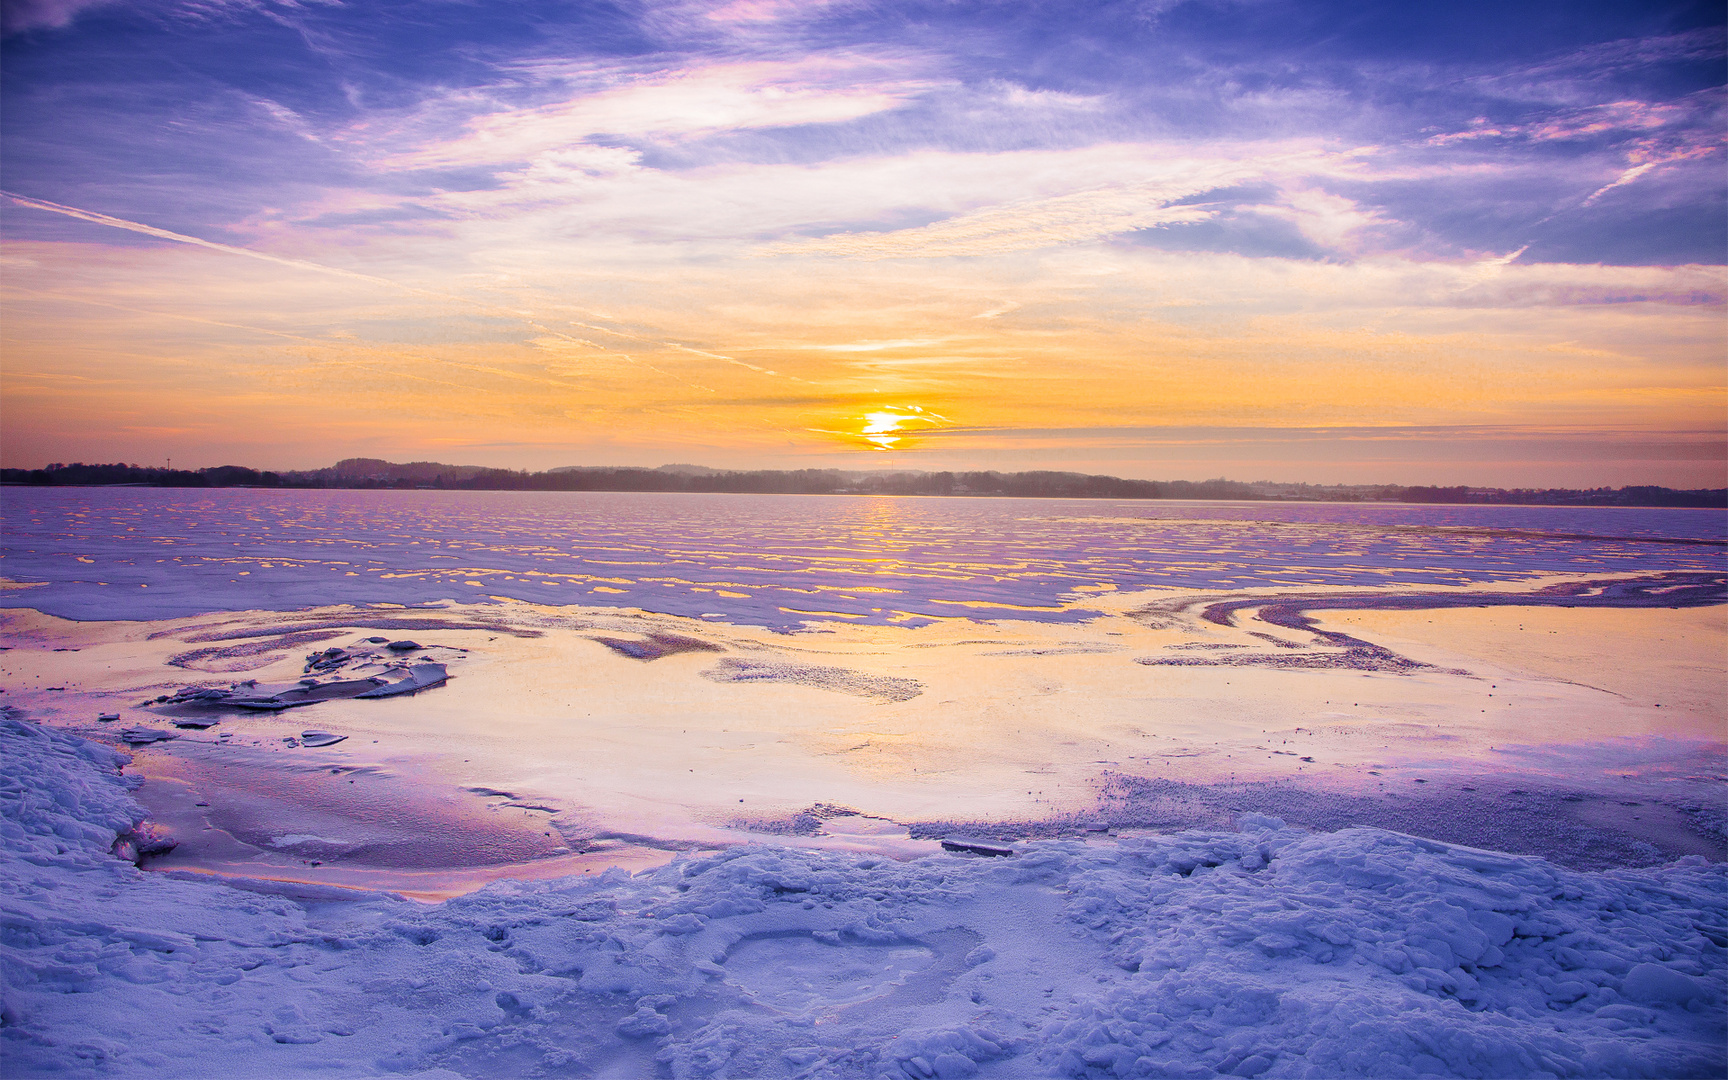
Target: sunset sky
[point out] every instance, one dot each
(1335, 242)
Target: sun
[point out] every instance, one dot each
(881, 429)
(888, 427)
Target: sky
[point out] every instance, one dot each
(1335, 242)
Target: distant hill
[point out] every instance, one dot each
(689, 470)
(415, 472)
(376, 473)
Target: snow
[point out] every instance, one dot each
(1268, 951)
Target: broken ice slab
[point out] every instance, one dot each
(387, 683)
(198, 722)
(305, 693)
(142, 736)
(976, 847)
(328, 660)
(107, 716)
(416, 677)
(198, 693)
(320, 738)
(403, 646)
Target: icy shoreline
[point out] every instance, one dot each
(1268, 951)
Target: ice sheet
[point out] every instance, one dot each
(778, 560)
(1029, 729)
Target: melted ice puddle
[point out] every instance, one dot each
(800, 974)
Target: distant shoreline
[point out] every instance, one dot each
(374, 474)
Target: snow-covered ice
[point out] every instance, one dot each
(1267, 951)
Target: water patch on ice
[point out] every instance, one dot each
(301, 839)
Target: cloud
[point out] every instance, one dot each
(1694, 116)
(878, 346)
(1331, 221)
(17, 16)
(1620, 181)
(1607, 58)
(678, 104)
(1094, 213)
(755, 11)
(1020, 226)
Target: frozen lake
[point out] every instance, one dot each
(683, 794)
(660, 671)
(778, 560)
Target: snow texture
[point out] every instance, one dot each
(1266, 952)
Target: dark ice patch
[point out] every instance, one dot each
(841, 680)
(359, 623)
(654, 646)
(249, 655)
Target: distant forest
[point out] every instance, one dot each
(372, 473)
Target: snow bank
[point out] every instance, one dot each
(1266, 952)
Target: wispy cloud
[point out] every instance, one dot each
(17, 16)
(677, 104)
(878, 346)
(1022, 226)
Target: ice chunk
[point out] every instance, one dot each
(1252, 822)
(976, 847)
(143, 736)
(417, 677)
(320, 738)
(311, 691)
(1654, 984)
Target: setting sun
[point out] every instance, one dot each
(882, 429)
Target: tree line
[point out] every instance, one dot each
(374, 474)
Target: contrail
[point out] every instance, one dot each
(164, 234)
(298, 264)
(319, 268)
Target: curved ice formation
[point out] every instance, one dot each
(802, 973)
(1268, 952)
